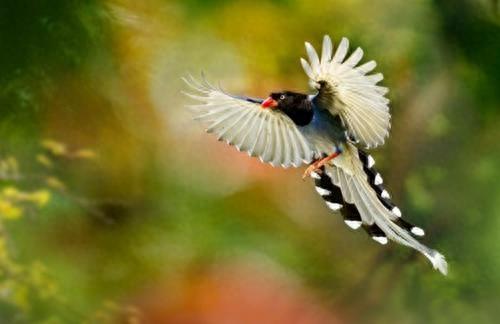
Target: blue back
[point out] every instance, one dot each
(326, 123)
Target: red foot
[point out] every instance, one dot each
(318, 164)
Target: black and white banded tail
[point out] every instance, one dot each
(334, 200)
(377, 183)
(364, 202)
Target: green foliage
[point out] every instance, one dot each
(26, 285)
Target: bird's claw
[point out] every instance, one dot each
(312, 168)
(316, 166)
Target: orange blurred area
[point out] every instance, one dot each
(236, 293)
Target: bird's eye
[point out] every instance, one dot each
(282, 97)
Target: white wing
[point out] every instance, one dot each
(266, 133)
(346, 89)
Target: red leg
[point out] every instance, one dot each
(318, 164)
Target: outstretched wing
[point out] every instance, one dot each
(242, 122)
(346, 89)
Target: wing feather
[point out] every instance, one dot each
(346, 89)
(297, 149)
(238, 127)
(367, 67)
(313, 56)
(355, 57)
(244, 143)
(307, 68)
(326, 51)
(308, 154)
(270, 135)
(269, 144)
(287, 155)
(260, 138)
(341, 52)
(278, 148)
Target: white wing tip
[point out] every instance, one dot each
(310, 50)
(307, 68)
(344, 41)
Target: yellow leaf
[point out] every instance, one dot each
(55, 183)
(85, 154)
(4, 167)
(40, 197)
(20, 297)
(9, 167)
(9, 210)
(44, 160)
(56, 148)
(11, 192)
(4, 253)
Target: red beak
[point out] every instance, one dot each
(269, 103)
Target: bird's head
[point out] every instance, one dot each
(285, 100)
(295, 105)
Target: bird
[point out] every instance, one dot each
(329, 129)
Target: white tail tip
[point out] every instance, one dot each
(439, 262)
(417, 231)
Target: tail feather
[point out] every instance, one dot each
(351, 184)
(335, 201)
(375, 180)
(376, 233)
(331, 194)
(351, 216)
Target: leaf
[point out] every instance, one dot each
(39, 197)
(55, 183)
(54, 147)
(9, 210)
(11, 192)
(85, 154)
(44, 160)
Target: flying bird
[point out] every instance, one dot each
(330, 130)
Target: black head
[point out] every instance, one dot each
(296, 105)
(288, 99)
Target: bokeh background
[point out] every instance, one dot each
(116, 207)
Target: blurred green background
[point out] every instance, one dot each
(116, 207)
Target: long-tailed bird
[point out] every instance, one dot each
(348, 110)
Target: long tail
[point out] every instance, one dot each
(351, 185)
